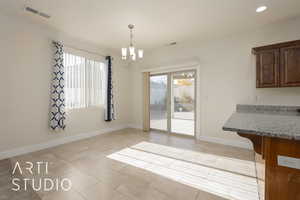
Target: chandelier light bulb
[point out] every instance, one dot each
(133, 57)
(141, 53)
(124, 52)
(131, 50)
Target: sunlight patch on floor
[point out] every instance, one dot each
(243, 167)
(219, 182)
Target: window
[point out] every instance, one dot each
(84, 82)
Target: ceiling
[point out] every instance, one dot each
(158, 22)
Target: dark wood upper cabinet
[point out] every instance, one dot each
(290, 66)
(278, 65)
(267, 68)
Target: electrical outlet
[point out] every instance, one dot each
(290, 162)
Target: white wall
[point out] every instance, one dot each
(227, 76)
(26, 62)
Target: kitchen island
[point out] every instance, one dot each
(275, 134)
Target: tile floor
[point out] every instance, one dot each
(6, 184)
(132, 165)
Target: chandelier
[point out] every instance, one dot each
(131, 49)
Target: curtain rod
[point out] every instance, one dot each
(79, 49)
(171, 68)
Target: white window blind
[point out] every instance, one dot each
(84, 82)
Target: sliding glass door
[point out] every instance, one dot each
(158, 102)
(183, 103)
(173, 102)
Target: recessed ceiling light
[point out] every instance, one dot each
(261, 9)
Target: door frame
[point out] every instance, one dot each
(170, 103)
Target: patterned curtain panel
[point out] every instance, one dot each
(109, 108)
(57, 109)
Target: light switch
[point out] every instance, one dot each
(290, 162)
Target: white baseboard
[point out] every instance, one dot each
(136, 126)
(245, 145)
(56, 142)
(68, 139)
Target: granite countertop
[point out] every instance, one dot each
(272, 121)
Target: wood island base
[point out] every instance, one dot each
(282, 182)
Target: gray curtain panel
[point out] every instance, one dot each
(57, 107)
(110, 114)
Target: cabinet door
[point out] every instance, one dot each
(267, 69)
(290, 66)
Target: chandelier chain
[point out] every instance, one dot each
(131, 37)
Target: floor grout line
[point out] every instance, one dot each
(122, 167)
(170, 169)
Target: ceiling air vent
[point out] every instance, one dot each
(36, 12)
(171, 44)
